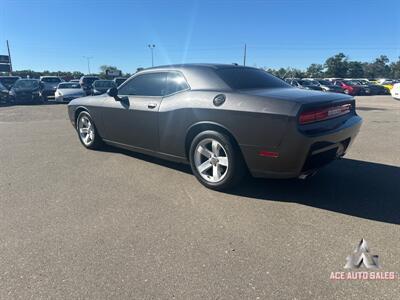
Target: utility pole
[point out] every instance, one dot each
(88, 58)
(245, 54)
(9, 58)
(152, 53)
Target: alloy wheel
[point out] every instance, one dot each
(211, 160)
(86, 130)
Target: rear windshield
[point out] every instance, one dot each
(27, 84)
(69, 85)
(8, 81)
(51, 79)
(248, 78)
(325, 82)
(309, 82)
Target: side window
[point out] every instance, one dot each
(150, 84)
(175, 83)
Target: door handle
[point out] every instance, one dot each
(152, 105)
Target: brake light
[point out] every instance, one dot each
(324, 114)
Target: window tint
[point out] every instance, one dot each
(51, 79)
(248, 78)
(150, 84)
(175, 83)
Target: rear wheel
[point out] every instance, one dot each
(216, 161)
(87, 131)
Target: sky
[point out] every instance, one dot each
(57, 35)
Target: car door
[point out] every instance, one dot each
(133, 121)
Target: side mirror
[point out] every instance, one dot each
(113, 92)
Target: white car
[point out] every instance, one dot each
(395, 91)
(67, 91)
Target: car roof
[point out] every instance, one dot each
(196, 65)
(200, 76)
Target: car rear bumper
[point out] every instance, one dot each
(26, 98)
(48, 93)
(301, 154)
(65, 99)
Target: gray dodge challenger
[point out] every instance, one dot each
(225, 120)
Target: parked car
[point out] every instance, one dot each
(387, 83)
(6, 82)
(67, 91)
(86, 82)
(49, 86)
(101, 86)
(349, 87)
(3, 94)
(119, 80)
(328, 86)
(74, 80)
(395, 91)
(304, 84)
(221, 119)
(26, 91)
(375, 89)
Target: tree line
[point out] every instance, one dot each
(67, 75)
(338, 66)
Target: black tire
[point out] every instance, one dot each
(237, 168)
(96, 142)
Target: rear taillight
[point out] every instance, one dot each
(324, 113)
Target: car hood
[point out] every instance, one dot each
(297, 95)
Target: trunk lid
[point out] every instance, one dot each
(298, 95)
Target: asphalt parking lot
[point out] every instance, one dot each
(76, 223)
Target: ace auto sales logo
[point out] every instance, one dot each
(363, 265)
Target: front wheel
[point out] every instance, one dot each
(216, 160)
(87, 131)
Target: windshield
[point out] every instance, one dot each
(89, 80)
(26, 84)
(104, 84)
(249, 78)
(69, 85)
(51, 79)
(8, 81)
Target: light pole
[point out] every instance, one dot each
(244, 55)
(88, 58)
(152, 53)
